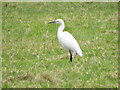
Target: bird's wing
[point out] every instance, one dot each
(69, 37)
(67, 40)
(70, 42)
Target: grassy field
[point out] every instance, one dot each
(33, 57)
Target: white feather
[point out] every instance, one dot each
(67, 40)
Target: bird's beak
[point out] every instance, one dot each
(52, 22)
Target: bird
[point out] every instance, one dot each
(67, 40)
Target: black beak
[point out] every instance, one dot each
(52, 22)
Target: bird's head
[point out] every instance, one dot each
(59, 21)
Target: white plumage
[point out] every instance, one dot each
(67, 40)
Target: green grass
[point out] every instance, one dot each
(33, 57)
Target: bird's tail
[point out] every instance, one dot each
(80, 53)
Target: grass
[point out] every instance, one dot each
(32, 56)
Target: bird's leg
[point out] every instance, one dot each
(70, 55)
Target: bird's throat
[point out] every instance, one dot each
(61, 28)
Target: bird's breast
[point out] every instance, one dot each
(65, 41)
(68, 41)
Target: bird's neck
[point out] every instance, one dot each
(61, 28)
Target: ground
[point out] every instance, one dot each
(33, 57)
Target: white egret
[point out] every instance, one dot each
(67, 40)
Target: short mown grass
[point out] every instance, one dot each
(33, 57)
